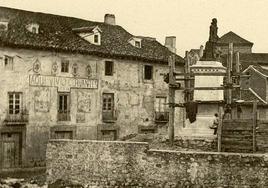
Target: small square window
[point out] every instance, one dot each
(109, 68)
(8, 62)
(137, 44)
(148, 72)
(64, 66)
(96, 38)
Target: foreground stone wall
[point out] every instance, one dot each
(133, 164)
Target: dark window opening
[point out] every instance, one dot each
(138, 44)
(8, 62)
(109, 66)
(65, 66)
(148, 72)
(63, 134)
(34, 30)
(96, 39)
(64, 107)
(108, 112)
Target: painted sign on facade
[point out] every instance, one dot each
(83, 102)
(41, 99)
(62, 83)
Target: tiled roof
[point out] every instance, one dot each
(55, 33)
(247, 59)
(231, 37)
(261, 58)
(259, 69)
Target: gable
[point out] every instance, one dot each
(232, 37)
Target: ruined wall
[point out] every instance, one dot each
(126, 164)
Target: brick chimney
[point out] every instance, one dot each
(170, 43)
(109, 19)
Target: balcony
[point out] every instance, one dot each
(161, 117)
(64, 115)
(109, 116)
(17, 119)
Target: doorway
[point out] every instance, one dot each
(11, 149)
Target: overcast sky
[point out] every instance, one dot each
(188, 20)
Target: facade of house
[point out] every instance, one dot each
(68, 78)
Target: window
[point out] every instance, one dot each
(14, 100)
(8, 62)
(160, 104)
(96, 38)
(34, 30)
(161, 113)
(108, 106)
(63, 134)
(64, 66)
(148, 72)
(109, 66)
(137, 44)
(64, 107)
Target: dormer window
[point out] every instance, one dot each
(33, 28)
(3, 25)
(96, 38)
(138, 44)
(135, 41)
(90, 34)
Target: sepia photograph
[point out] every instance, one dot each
(133, 94)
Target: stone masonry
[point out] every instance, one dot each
(133, 164)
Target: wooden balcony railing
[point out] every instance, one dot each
(20, 118)
(64, 115)
(161, 117)
(109, 116)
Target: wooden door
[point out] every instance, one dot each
(11, 150)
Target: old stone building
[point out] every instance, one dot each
(64, 77)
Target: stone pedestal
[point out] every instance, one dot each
(207, 74)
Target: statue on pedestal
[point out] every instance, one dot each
(210, 52)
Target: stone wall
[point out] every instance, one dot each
(133, 164)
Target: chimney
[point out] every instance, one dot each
(109, 19)
(201, 51)
(170, 43)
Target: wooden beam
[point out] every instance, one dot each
(201, 74)
(187, 77)
(254, 126)
(171, 97)
(219, 131)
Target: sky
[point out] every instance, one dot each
(188, 20)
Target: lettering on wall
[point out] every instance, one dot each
(83, 102)
(41, 99)
(62, 83)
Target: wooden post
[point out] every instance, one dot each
(229, 78)
(187, 78)
(238, 81)
(219, 131)
(254, 125)
(171, 97)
